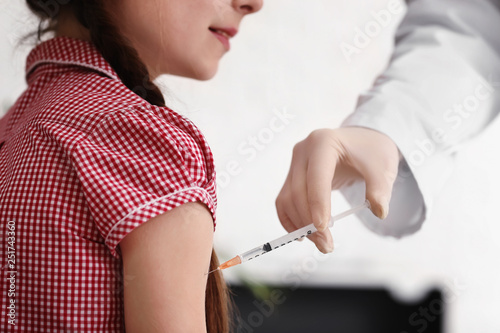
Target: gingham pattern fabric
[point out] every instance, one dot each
(83, 162)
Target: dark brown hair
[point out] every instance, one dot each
(125, 60)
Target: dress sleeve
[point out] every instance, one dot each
(438, 92)
(135, 166)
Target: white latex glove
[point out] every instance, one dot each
(329, 159)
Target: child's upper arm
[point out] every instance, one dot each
(164, 266)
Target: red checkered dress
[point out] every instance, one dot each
(83, 162)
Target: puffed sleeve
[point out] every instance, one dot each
(136, 165)
(438, 91)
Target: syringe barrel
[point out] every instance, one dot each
(253, 253)
(293, 236)
(277, 243)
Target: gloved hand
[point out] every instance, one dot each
(329, 159)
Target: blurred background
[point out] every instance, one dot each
(285, 76)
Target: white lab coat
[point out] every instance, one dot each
(438, 91)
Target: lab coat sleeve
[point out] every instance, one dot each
(438, 91)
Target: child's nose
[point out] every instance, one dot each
(247, 6)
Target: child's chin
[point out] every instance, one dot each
(197, 73)
(205, 77)
(205, 73)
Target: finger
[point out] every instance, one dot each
(323, 240)
(299, 198)
(298, 188)
(284, 205)
(295, 220)
(324, 243)
(320, 173)
(287, 214)
(379, 190)
(286, 210)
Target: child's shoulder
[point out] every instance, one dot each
(111, 106)
(81, 101)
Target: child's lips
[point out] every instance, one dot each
(223, 35)
(227, 32)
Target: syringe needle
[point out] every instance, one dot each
(218, 269)
(230, 263)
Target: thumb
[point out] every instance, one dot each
(379, 192)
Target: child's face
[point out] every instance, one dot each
(178, 36)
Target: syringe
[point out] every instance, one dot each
(286, 239)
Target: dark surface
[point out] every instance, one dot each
(335, 310)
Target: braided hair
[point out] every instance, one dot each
(132, 71)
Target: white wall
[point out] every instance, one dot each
(287, 57)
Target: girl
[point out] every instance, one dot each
(107, 197)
